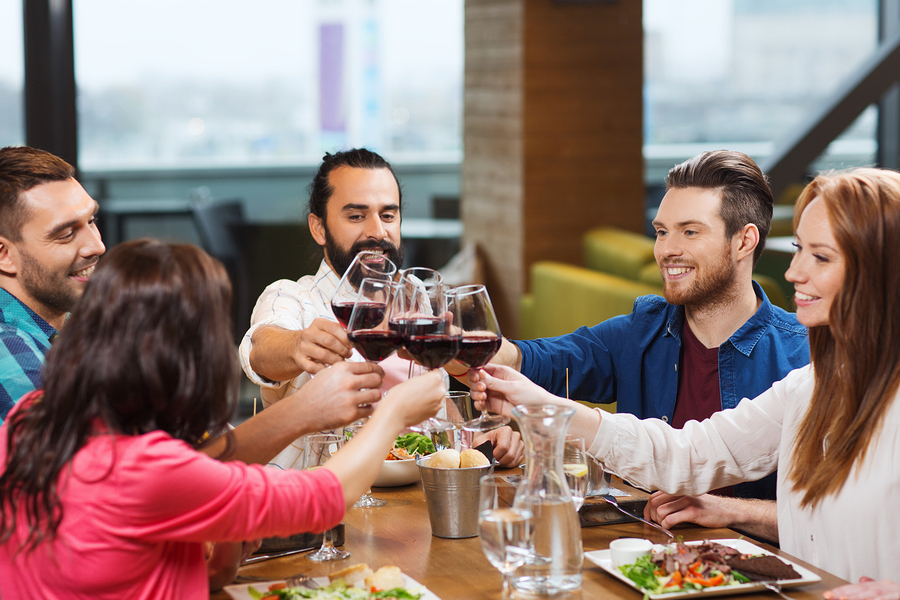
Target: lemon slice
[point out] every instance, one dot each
(576, 470)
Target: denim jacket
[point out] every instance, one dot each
(633, 359)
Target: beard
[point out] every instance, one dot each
(340, 259)
(51, 288)
(714, 285)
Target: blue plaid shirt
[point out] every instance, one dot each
(24, 340)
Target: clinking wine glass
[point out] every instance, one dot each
(428, 324)
(368, 330)
(480, 341)
(368, 326)
(366, 264)
(506, 532)
(317, 449)
(415, 295)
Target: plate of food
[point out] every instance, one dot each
(708, 568)
(357, 582)
(399, 467)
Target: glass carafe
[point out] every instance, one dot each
(555, 564)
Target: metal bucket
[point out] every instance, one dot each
(451, 496)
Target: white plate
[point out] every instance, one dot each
(394, 473)
(602, 560)
(241, 591)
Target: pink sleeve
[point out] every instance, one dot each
(163, 489)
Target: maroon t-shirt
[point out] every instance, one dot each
(698, 385)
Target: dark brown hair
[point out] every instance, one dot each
(856, 356)
(320, 190)
(746, 195)
(147, 348)
(22, 168)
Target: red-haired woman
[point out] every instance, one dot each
(832, 429)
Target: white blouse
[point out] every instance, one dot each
(851, 534)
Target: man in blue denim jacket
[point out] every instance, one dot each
(713, 340)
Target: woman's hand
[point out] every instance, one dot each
(416, 399)
(499, 389)
(866, 589)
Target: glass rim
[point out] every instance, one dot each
(467, 290)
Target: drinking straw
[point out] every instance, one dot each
(567, 383)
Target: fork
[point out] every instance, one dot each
(612, 500)
(774, 587)
(302, 580)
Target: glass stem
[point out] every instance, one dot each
(327, 540)
(506, 585)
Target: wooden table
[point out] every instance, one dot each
(400, 534)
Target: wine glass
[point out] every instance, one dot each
(368, 330)
(368, 325)
(367, 500)
(317, 449)
(575, 466)
(427, 320)
(480, 341)
(460, 408)
(506, 532)
(367, 263)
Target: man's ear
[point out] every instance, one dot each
(8, 254)
(317, 229)
(746, 241)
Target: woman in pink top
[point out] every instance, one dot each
(103, 491)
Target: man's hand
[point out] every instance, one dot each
(866, 589)
(339, 395)
(282, 354)
(758, 517)
(333, 398)
(508, 447)
(321, 344)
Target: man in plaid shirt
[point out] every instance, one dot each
(49, 245)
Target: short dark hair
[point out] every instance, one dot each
(746, 195)
(22, 168)
(148, 347)
(320, 190)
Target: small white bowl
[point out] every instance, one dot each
(395, 473)
(626, 551)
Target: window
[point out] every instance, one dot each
(744, 74)
(224, 82)
(12, 116)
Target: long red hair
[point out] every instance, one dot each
(856, 357)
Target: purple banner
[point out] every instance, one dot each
(331, 77)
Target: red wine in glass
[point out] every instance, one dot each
(375, 344)
(369, 314)
(432, 351)
(477, 351)
(342, 312)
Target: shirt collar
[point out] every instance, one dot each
(746, 337)
(14, 312)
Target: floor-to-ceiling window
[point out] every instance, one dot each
(12, 65)
(222, 82)
(744, 74)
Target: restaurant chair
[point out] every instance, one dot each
(215, 222)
